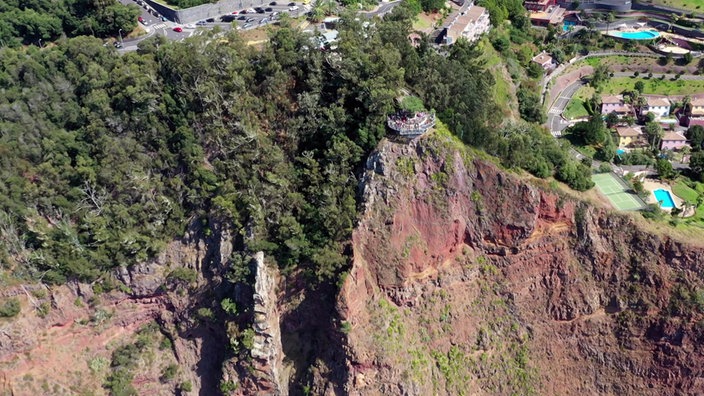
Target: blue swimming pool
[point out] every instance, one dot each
(665, 199)
(567, 25)
(620, 151)
(642, 35)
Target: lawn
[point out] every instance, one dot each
(682, 189)
(615, 60)
(575, 108)
(654, 86)
(691, 5)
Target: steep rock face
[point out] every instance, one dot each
(469, 280)
(267, 351)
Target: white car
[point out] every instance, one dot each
(294, 8)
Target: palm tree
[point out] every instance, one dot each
(609, 18)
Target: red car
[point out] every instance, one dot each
(178, 29)
(234, 12)
(140, 19)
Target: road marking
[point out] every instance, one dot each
(159, 26)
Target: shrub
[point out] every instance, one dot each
(205, 313)
(10, 308)
(169, 372)
(182, 274)
(186, 386)
(604, 168)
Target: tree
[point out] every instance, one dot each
(609, 18)
(529, 106)
(687, 58)
(638, 187)
(664, 169)
(654, 133)
(639, 86)
(612, 119)
(432, 5)
(695, 135)
(600, 76)
(696, 164)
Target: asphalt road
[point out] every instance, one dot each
(382, 10)
(555, 121)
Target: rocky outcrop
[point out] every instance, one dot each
(468, 279)
(267, 351)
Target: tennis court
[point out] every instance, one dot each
(617, 192)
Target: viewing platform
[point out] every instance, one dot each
(406, 123)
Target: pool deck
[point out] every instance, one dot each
(652, 185)
(615, 33)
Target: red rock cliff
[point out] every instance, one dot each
(469, 280)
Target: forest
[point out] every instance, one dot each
(107, 157)
(31, 22)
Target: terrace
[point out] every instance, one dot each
(407, 123)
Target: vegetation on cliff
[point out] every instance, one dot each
(31, 22)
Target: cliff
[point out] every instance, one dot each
(467, 279)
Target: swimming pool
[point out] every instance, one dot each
(567, 25)
(665, 199)
(620, 151)
(641, 35)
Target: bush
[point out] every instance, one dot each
(604, 168)
(186, 386)
(412, 103)
(205, 313)
(10, 308)
(169, 372)
(182, 274)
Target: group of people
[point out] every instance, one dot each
(407, 122)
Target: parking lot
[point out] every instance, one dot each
(251, 18)
(242, 19)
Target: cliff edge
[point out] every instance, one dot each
(467, 279)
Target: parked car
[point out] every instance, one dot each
(235, 12)
(211, 20)
(117, 44)
(250, 20)
(140, 19)
(178, 29)
(228, 18)
(201, 23)
(242, 18)
(294, 8)
(246, 25)
(268, 9)
(263, 21)
(291, 4)
(273, 3)
(275, 13)
(259, 10)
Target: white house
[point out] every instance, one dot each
(470, 23)
(657, 105)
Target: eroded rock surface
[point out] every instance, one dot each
(467, 279)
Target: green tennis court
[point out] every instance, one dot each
(617, 192)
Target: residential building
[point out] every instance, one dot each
(553, 15)
(538, 5)
(694, 115)
(615, 104)
(470, 22)
(697, 106)
(629, 136)
(545, 61)
(657, 105)
(673, 141)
